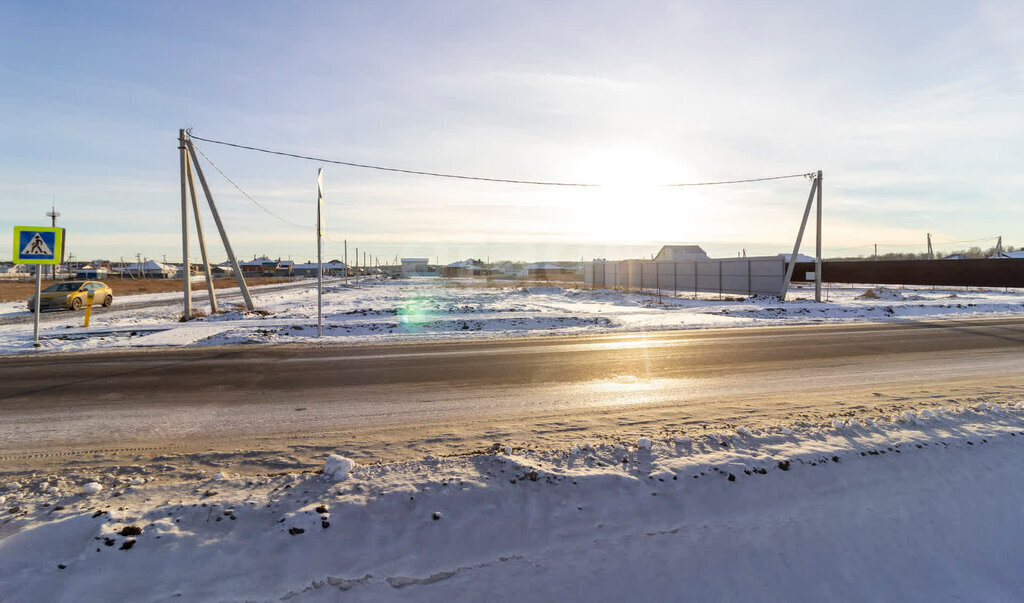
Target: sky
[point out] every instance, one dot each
(912, 110)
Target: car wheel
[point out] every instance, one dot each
(76, 304)
(107, 301)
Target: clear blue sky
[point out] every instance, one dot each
(912, 109)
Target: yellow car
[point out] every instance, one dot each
(72, 295)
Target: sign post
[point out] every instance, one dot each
(38, 245)
(319, 252)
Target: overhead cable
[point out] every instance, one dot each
(245, 194)
(464, 177)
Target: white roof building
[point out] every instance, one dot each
(681, 253)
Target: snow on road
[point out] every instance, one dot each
(910, 507)
(428, 309)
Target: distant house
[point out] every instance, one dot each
(149, 269)
(1009, 255)
(465, 269)
(957, 256)
(552, 271)
(799, 257)
(284, 268)
(507, 270)
(264, 266)
(416, 266)
(90, 271)
(331, 268)
(681, 253)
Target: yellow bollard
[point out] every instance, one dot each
(88, 308)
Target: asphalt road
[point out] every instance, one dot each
(403, 400)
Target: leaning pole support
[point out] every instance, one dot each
(815, 189)
(220, 225)
(202, 242)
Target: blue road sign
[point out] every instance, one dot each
(37, 245)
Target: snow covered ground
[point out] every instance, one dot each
(425, 308)
(911, 507)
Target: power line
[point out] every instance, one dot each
(247, 196)
(464, 177)
(807, 175)
(934, 242)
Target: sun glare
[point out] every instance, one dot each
(633, 203)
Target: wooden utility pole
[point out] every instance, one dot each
(186, 278)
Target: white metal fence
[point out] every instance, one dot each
(738, 276)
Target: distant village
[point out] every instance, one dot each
(264, 266)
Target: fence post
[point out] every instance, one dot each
(750, 285)
(720, 279)
(695, 280)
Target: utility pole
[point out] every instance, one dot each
(999, 246)
(185, 271)
(53, 215)
(931, 252)
(346, 262)
(220, 225)
(876, 252)
(817, 255)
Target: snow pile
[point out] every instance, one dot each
(338, 467)
(927, 505)
(92, 488)
(881, 293)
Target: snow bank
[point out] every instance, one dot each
(918, 506)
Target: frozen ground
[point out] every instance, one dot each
(424, 308)
(910, 507)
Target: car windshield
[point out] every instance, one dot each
(63, 287)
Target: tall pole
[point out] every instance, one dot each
(319, 252)
(817, 259)
(796, 246)
(357, 265)
(346, 262)
(35, 302)
(220, 226)
(185, 268)
(54, 214)
(211, 295)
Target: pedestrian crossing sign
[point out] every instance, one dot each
(38, 244)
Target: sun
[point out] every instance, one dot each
(632, 203)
